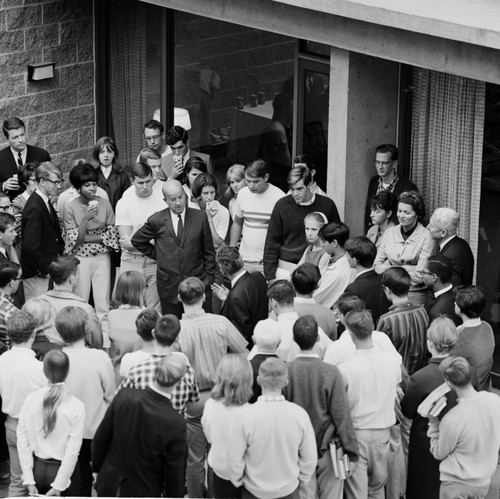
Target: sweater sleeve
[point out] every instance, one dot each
(274, 240)
(341, 416)
(308, 455)
(236, 454)
(443, 436)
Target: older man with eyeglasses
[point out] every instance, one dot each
(42, 238)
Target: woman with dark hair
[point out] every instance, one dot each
(110, 175)
(50, 431)
(194, 166)
(408, 244)
(423, 469)
(205, 190)
(89, 225)
(382, 207)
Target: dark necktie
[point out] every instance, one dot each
(180, 229)
(19, 160)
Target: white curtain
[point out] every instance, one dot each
(447, 143)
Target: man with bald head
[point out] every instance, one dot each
(443, 227)
(183, 247)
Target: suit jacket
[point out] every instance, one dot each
(167, 163)
(247, 303)
(42, 240)
(460, 254)
(442, 305)
(9, 167)
(402, 185)
(140, 447)
(176, 260)
(368, 287)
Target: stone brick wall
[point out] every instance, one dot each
(59, 113)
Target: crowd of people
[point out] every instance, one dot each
(161, 338)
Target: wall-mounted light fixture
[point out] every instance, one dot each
(41, 71)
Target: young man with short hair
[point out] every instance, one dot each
(204, 339)
(65, 272)
(361, 253)
(371, 377)
(42, 236)
(10, 277)
(405, 323)
(140, 445)
(467, 439)
(7, 237)
(20, 374)
(437, 275)
(252, 212)
(16, 155)
(137, 204)
(319, 388)
(305, 280)
(339, 273)
(246, 303)
(152, 158)
(90, 379)
(173, 165)
(272, 471)
(285, 241)
(266, 338)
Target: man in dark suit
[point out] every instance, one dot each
(246, 303)
(437, 275)
(173, 164)
(17, 154)
(183, 248)
(42, 240)
(443, 227)
(150, 462)
(361, 253)
(387, 178)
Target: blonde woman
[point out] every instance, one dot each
(50, 431)
(230, 395)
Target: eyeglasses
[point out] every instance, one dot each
(57, 183)
(382, 163)
(5, 208)
(153, 138)
(18, 278)
(426, 272)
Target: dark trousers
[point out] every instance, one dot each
(45, 471)
(85, 464)
(220, 488)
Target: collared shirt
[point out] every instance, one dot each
(7, 309)
(469, 323)
(205, 339)
(106, 171)
(236, 278)
(381, 187)
(442, 291)
(24, 154)
(20, 374)
(159, 392)
(45, 198)
(62, 443)
(444, 242)
(175, 219)
(310, 202)
(271, 398)
(142, 375)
